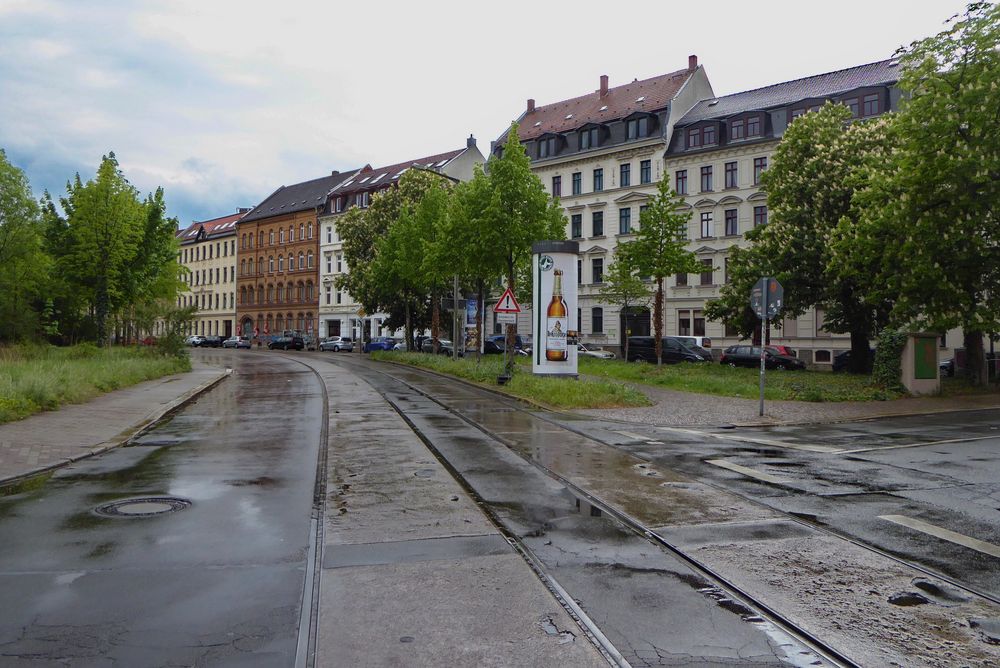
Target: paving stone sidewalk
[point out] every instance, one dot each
(47, 440)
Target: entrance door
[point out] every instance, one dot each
(227, 326)
(333, 327)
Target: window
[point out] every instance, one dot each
(681, 281)
(637, 128)
(329, 234)
(339, 298)
(329, 294)
(871, 105)
(576, 225)
(699, 323)
(684, 323)
(822, 356)
(260, 266)
(597, 270)
(310, 230)
(597, 320)
(708, 135)
(694, 138)
(270, 238)
(731, 175)
(338, 204)
(302, 231)
(759, 216)
(270, 263)
(291, 233)
(852, 104)
(340, 263)
(281, 263)
(329, 263)
(309, 292)
(732, 227)
(299, 295)
(706, 224)
(302, 257)
(556, 186)
(546, 147)
(597, 224)
(589, 138)
(260, 236)
(281, 236)
(706, 178)
(759, 165)
(309, 259)
(579, 271)
(625, 175)
(706, 272)
(644, 172)
(291, 262)
(681, 181)
(753, 126)
(737, 129)
(577, 183)
(625, 221)
(598, 180)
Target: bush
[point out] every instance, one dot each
(888, 369)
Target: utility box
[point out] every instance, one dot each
(921, 374)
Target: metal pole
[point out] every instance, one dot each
(763, 325)
(454, 323)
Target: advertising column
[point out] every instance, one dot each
(553, 308)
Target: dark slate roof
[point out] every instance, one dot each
(881, 73)
(297, 197)
(216, 227)
(369, 178)
(619, 102)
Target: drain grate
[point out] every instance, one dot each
(143, 507)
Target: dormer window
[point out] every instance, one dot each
(694, 138)
(753, 126)
(708, 135)
(589, 138)
(737, 129)
(871, 105)
(546, 147)
(338, 205)
(637, 128)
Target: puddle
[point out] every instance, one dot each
(989, 629)
(908, 599)
(941, 594)
(262, 481)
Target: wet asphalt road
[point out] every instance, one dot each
(217, 583)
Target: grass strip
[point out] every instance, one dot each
(43, 378)
(559, 393)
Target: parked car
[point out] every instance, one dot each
(520, 346)
(749, 356)
(594, 351)
(783, 350)
(310, 342)
(194, 340)
(337, 343)
(211, 342)
(379, 343)
(492, 347)
(947, 366)
(445, 347)
(236, 342)
(842, 360)
(700, 341)
(149, 341)
(287, 343)
(674, 350)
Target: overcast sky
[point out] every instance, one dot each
(220, 102)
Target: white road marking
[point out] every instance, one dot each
(750, 473)
(756, 441)
(944, 534)
(628, 434)
(917, 445)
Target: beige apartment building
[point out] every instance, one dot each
(208, 252)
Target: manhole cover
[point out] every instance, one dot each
(145, 507)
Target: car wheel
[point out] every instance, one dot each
(732, 365)
(780, 367)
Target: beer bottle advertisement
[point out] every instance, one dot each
(554, 312)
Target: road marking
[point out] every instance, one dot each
(628, 434)
(918, 445)
(944, 534)
(756, 441)
(750, 473)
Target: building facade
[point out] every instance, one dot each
(208, 252)
(340, 314)
(277, 285)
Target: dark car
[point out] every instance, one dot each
(521, 347)
(841, 361)
(211, 342)
(675, 350)
(749, 356)
(445, 347)
(287, 343)
(379, 343)
(947, 366)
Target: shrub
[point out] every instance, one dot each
(887, 372)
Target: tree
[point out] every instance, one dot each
(660, 248)
(809, 185)
(25, 265)
(935, 197)
(623, 288)
(501, 213)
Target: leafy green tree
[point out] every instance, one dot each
(810, 183)
(931, 207)
(25, 264)
(660, 248)
(624, 288)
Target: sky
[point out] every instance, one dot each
(221, 102)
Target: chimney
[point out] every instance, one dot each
(692, 63)
(604, 85)
(531, 105)
(470, 142)
(242, 209)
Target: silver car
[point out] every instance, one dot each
(337, 344)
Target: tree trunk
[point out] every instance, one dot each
(624, 329)
(658, 320)
(509, 338)
(861, 361)
(975, 359)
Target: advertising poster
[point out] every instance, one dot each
(554, 299)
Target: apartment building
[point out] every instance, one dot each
(277, 268)
(601, 154)
(208, 252)
(715, 158)
(339, 313)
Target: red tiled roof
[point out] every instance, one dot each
(369, 178)
(214, 226)
(619, 102)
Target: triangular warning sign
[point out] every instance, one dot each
(507, 303)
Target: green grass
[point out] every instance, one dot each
(43, 378)
(726, 381)
(551, 392)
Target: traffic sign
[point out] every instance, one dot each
(506, 318)
(507, 303)
(767, 297)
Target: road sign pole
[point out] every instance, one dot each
(763, 330)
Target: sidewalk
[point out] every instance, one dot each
(47, 440)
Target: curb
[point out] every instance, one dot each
(134, 431)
